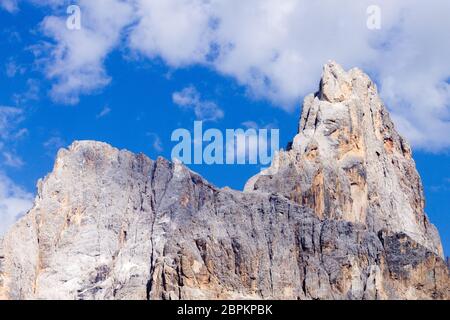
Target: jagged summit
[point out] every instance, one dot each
(335, 85)
(339, 216)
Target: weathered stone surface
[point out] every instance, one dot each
(349, 163)
(108, 224)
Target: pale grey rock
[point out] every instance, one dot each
(109, 224)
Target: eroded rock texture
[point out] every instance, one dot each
(349, 163)
(339, 216)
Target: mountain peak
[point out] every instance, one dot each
(348, 161)
(335, 85)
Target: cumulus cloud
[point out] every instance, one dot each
(176, 30)
(274, 48)
(74, 59)
(277, 49)
(189, 98)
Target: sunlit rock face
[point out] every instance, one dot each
(338, 216)
(349, 163)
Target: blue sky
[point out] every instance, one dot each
(249, 70)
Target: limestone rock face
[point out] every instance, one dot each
(349, 163)
(326, 222)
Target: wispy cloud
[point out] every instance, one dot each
(105, 111)
(9, 5)
(7, 115)
(12, 160)
(53, 144)
(250, 124)
(14, 202)
(156, 141)
(190, 98)
(10, 118)
(10, 134)
(30, 94)
(12, 69)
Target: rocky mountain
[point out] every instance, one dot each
(340, 215)
(348, 162)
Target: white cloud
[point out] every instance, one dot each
(105, 111)
(177, 30)
(190, 98)
(76, 57)
(30, 94)
(270, 46)
(277, 49)
(19, 134)
(14, 202)
(53, 144)
(250, 124)
(13, 69)
(157, 143)
(12, 160)
(9, 118)
(274, 48)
